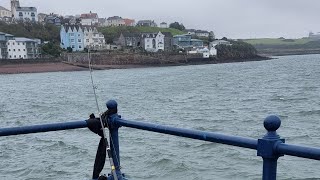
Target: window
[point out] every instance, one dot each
(79, 40)
(24, 49)
(12, 43)
(80, 47)
(14, 49)
(73, 46)
(72, 40)
(19, 56)
(9, 49)
(25, 56)
(78, 35)
(18, 49)
(22, 43)
(71, 34)
(18, 44)
(15, 56)
(87, 40)
(8, 43)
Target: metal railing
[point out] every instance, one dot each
(270, 147)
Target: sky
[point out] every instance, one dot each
(236, 19)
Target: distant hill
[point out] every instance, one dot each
(282, 46)
(112, 33)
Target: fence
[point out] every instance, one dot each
(270, 147)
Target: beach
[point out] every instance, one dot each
(38, 67)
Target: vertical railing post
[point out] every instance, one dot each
(266, 148)
(114, 137)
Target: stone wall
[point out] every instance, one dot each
(128, 58)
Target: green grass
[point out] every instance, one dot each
(273, 41)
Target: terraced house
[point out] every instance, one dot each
(78, 37)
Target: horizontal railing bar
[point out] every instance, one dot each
(299, 151)
(193, 134)
(42, 128)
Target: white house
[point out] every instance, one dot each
(163, 25)
(153, 42)
(115, 21)
(89, 19)
(4, 12)
(23, 13)
(93, 38)
(23, 48)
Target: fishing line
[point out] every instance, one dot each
(101, 122)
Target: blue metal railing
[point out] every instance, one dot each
(270, 147)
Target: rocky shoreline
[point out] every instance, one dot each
(39, 67)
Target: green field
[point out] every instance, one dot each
(278, 41)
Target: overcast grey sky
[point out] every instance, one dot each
(230, 18)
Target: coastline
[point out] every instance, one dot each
(63, 66)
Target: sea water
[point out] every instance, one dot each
(230, 98)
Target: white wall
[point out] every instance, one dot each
(17, 50)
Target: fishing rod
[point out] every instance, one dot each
(113, 169)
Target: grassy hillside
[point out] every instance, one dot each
(112, 33)
(278, 41)
(283, 46)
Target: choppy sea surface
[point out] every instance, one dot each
(231, 99)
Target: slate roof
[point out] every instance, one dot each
(114, 18)
(3, 9)
(89, 16)
(26, 9)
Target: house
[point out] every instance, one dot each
(72, 36)
(190, 31)
(131, 40)
(89, 19)
(129, 22)
(23, 13)
(41, 17)
(168, 41)
(185, 41)
(201, 33)
(148, 23)
(102, 22)
(163, 25)
(72, 20)
(23, 48)
(115, 21)
(218, 42)
(53, 19)
(92, 38)
(4, 37)
(5, 12)
(314, 36)
(153, 42)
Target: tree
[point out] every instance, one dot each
(211, 36)
(177, 25)
(51, 49)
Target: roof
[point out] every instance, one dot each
(128, 21)
(201, 31)
(114, 18)
(89, 16)
(3, 9)
(167, 34)
(67, 27)
(163, 23)
(145, 21)
(26, 9)
(3, 33)
(22, 39)
(131, 34)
